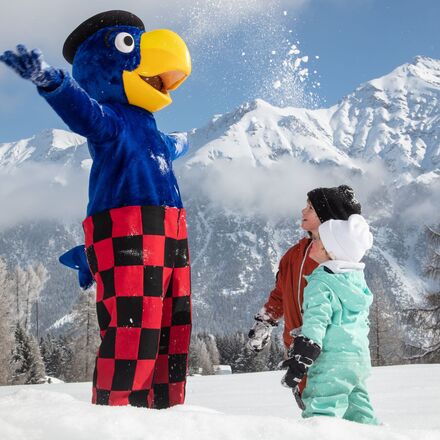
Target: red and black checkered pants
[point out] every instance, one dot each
(140, 260)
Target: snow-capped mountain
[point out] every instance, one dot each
(395, 118)
(262, 134)
(244, 182)
(52, 146)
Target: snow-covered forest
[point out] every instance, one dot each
(30, 358)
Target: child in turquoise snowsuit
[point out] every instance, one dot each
(333, 345)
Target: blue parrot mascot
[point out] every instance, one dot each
(135, 231)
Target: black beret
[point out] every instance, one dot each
(94, 24)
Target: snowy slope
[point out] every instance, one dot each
(242, 406)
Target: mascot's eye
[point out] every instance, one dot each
(124, 42)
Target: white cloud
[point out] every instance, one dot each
(42, 192)
(424, 210)
(279, 191)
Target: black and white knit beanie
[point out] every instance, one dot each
(336, 203)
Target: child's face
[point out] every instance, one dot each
(318, 252)
(310, 221)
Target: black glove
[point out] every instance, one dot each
(259, 334)
(31, 65)
(302, 354)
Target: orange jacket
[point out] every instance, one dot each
(287, 297)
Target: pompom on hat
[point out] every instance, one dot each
(337, 203)
(346, 240)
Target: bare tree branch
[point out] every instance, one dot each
(425, 351)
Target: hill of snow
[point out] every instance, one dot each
(240, 406)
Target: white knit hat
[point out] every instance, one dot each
(346, 240)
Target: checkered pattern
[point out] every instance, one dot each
(140, 260)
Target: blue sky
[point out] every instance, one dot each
(241, 50)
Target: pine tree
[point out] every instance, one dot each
(19, 290)
(248, 361)
(230, 347)
(20, 356)
(46, 350)
(66, 356)
(275, 353)
(234, 352)
(57, 357)
(37, 372)
(27, 365)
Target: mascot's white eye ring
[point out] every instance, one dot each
(124, 42)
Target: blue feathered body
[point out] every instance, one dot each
(132, 159)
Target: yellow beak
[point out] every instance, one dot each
(164, 64)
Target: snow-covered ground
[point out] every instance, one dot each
(237, 407)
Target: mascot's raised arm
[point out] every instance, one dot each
(135, 230)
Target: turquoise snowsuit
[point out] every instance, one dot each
(335, 317)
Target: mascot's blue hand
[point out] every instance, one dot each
(31, 65)
(76, 259)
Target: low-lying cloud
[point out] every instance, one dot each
(278, 191)
(35, 192)
(41, 191)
